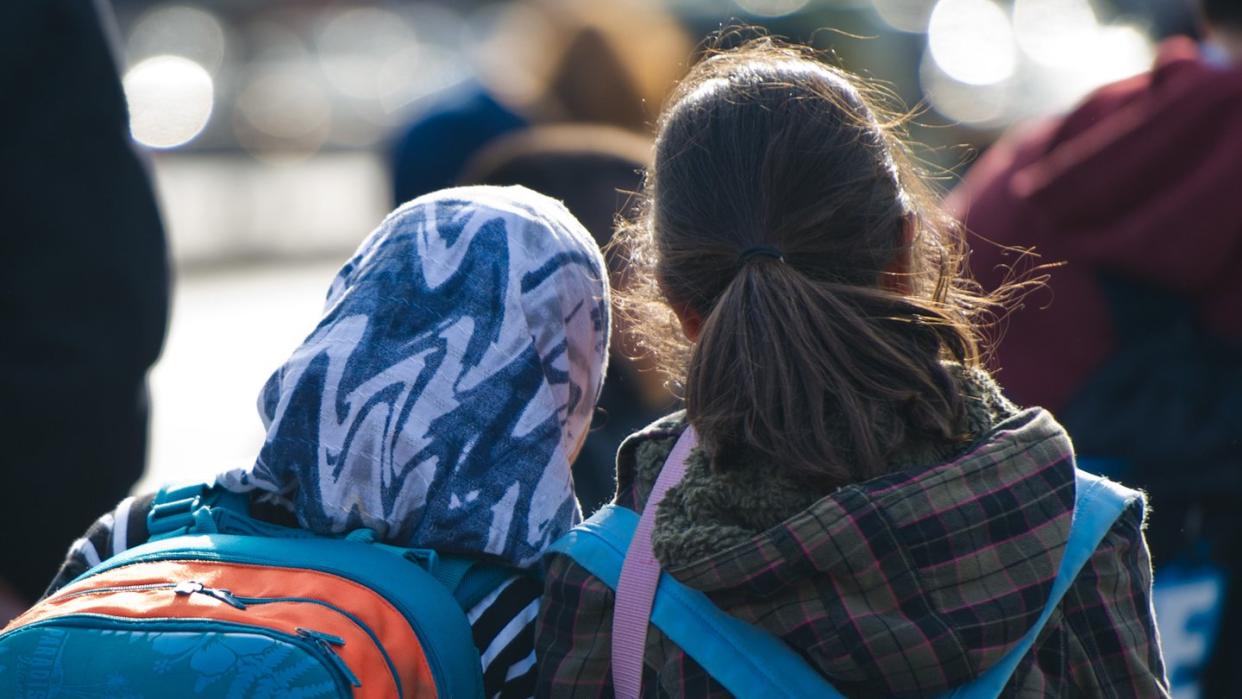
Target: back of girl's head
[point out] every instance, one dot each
(821, 348)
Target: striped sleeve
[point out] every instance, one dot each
(114, 532)
(504, 632)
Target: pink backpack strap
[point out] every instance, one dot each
(640, 573)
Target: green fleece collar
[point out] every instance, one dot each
(709, 512)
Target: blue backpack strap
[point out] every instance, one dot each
(173, 511)
(1098, 502)
(751, 662)
(747, 660)
(200, 508)
(447, 570)
(450, 570)
(469, 579)
(480, 581)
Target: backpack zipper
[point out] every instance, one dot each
(392, 667)
(184, 588)
(190, 587)
(436, 663)
(319, 645)
(328, 643)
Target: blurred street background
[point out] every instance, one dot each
(272, 128)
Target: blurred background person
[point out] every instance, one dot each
(269, 129)
(595, 170)
(1139, 353)
(84, 294)
(551, 61)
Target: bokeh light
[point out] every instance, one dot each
(181, 30)
(433, 61)
(269, 39)
(771, 8)
(501, 42)
(1054, 32)
(905, 15)
(353, 46)
(414, 73)
(170, 100)
(1114, 52)
(1119, 51)
(972, 41)
(979, 106)
(281, 111)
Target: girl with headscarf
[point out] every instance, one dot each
(439, 401)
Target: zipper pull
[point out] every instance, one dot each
(327, 643)
(224, 596)
(190, 587)
(320, 636)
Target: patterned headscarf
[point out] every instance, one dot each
(450, 382)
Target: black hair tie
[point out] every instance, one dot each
(755, 251)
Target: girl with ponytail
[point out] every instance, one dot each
(861, 488)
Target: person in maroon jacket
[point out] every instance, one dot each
(1143, 179)
(1138, 347)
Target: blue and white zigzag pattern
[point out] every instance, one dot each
(450, 382)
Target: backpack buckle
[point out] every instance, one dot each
(427, 558)
(172, 511)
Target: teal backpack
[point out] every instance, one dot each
(219, 604)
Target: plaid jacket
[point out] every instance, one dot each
(905, 585)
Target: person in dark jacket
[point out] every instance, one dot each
(84, 294)
(862, 490)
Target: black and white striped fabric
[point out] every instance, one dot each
(503, 622)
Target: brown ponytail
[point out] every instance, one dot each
(827, 354)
